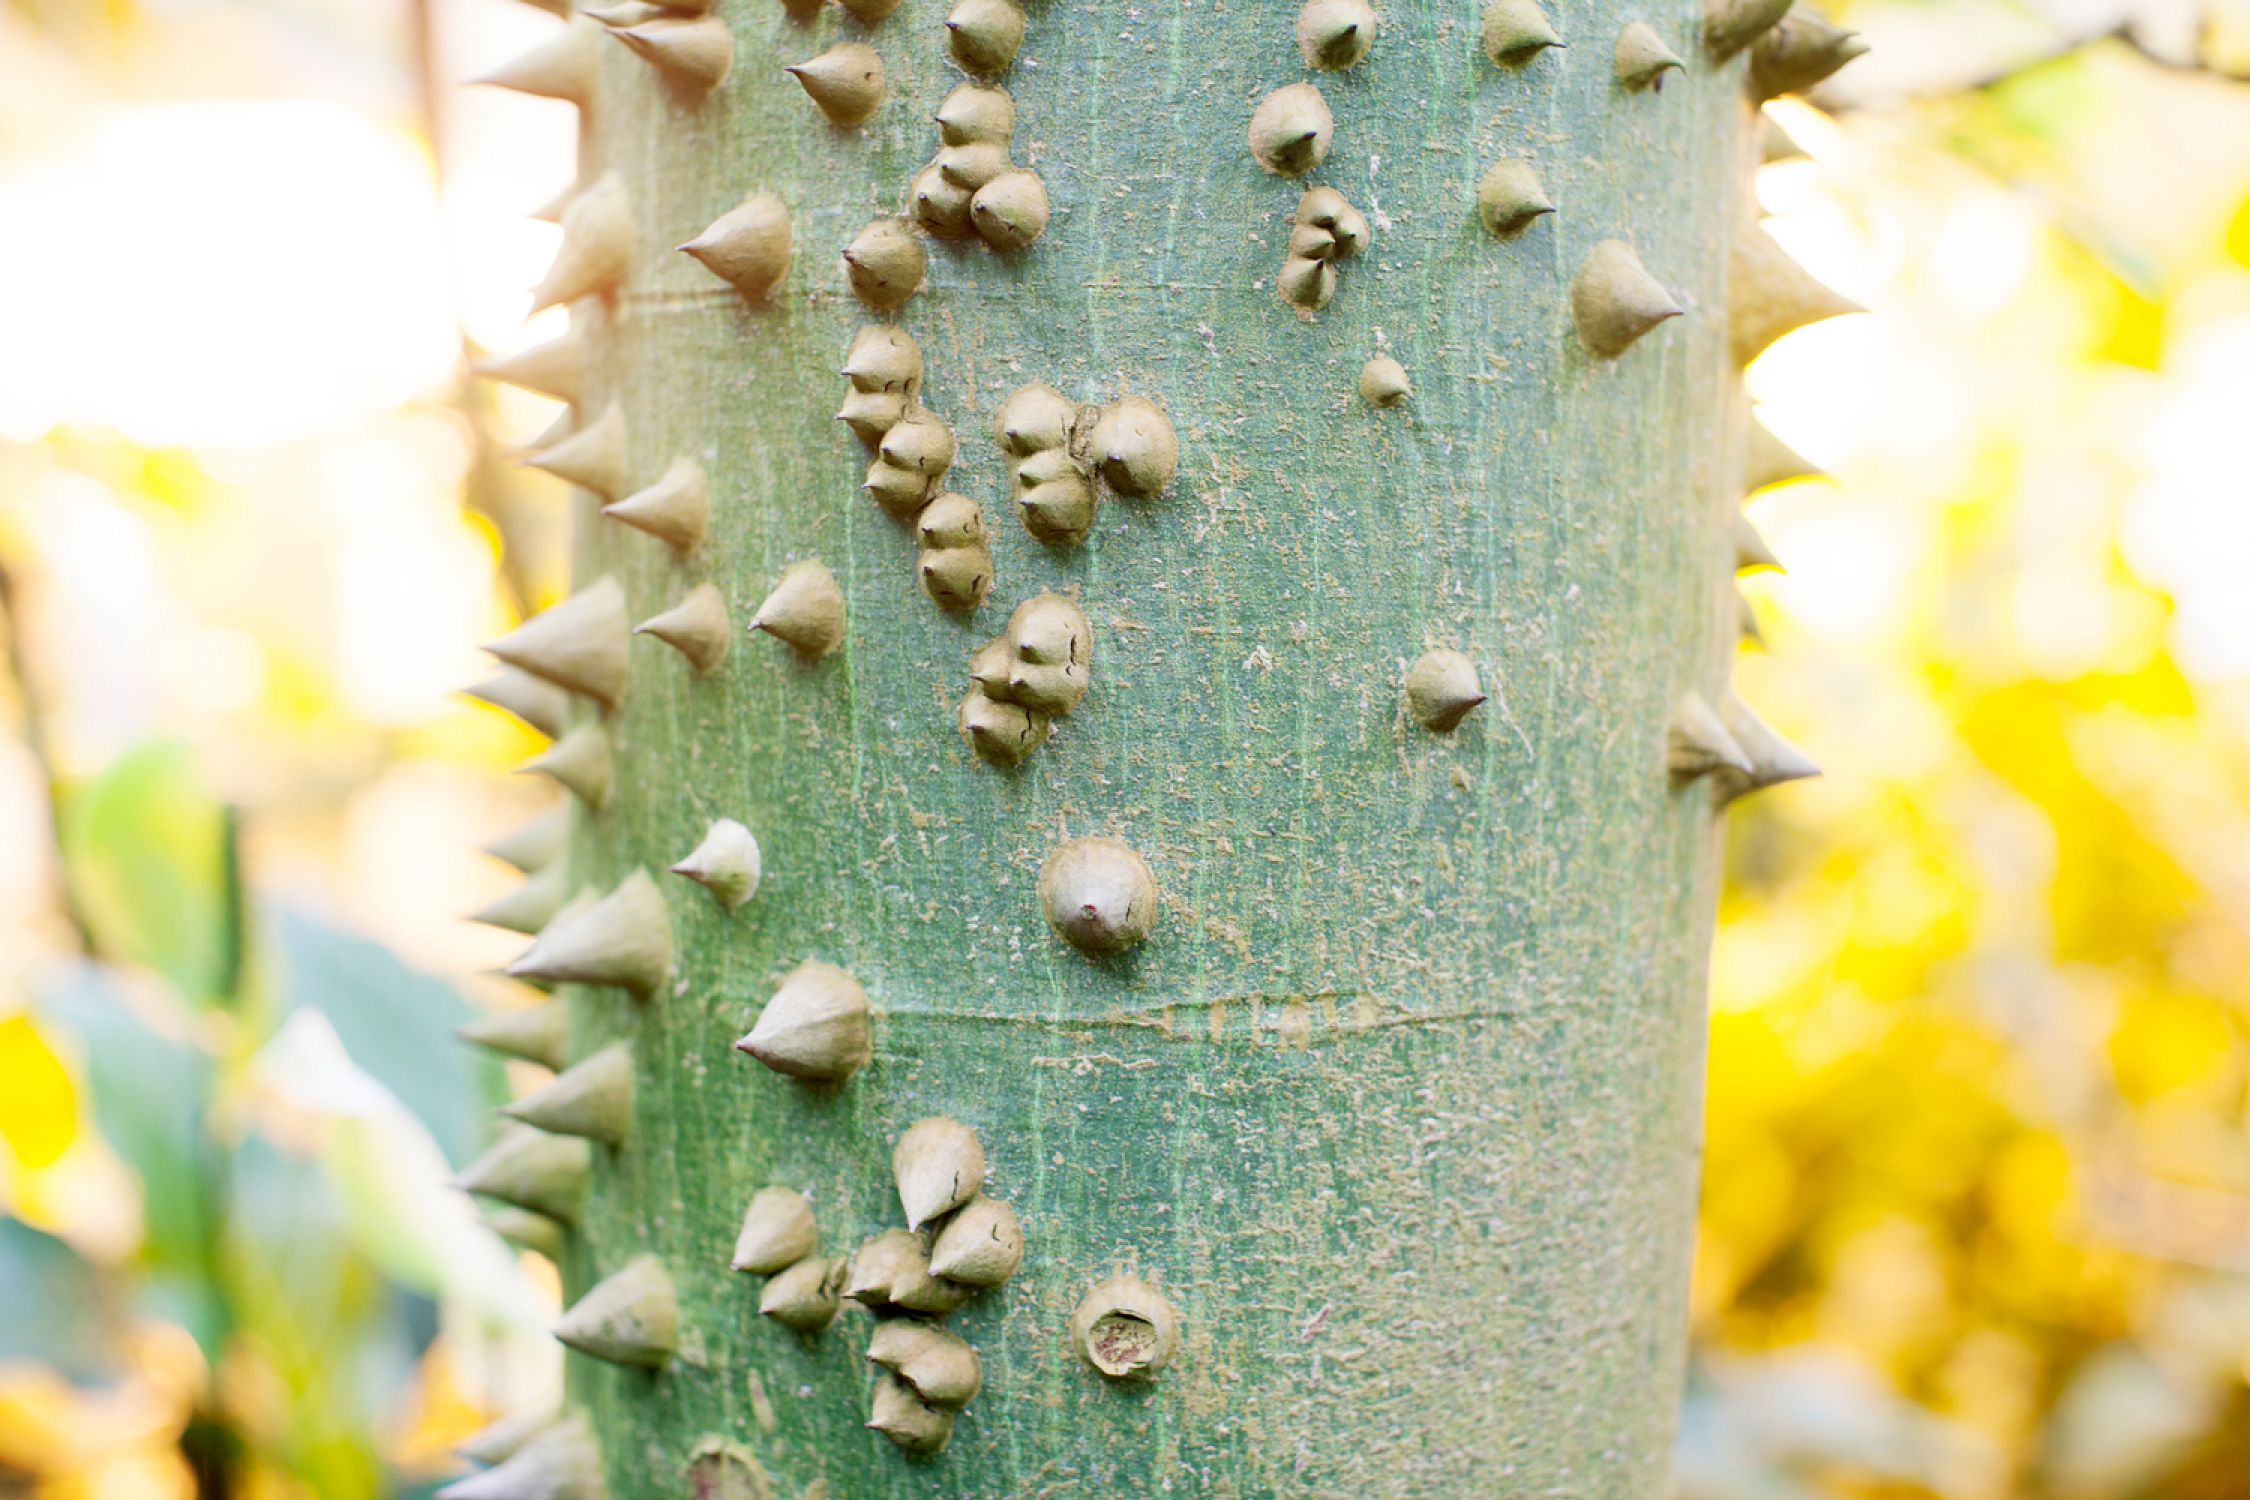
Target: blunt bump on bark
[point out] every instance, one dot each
(1798, 51)
(1641, 58)
(560, 1462)
(727, 863)
(1515, 31)
(1060, 510)
(623, 940)
(597, 245)
(1054, 490)
(1696, 742)
(676, 510)
(1327, 210)
(846, 82)
(748, 246)
(1098, 894)
(1056, 499)
(977, 113)
(1750, 550)
(1510, 197)
(1126, 1329)
(1291, 129)
(941, 1367)
(1383, 382)
(777, 1232)
(531, 905)
(890, 1272)
(870, 414)
(938, 1165)
(972, 166)
(536, 844)
(919, 443)
(694, 53)
(1614, 300)
(1003, 733)
(531, 1169)
(1134, 447)
(696, 627)
(940, 205)
(538, 703)
(1772, 759)
(591, 457)
(980, 1246)
(805, 1297)
(566, 66)
(1731, 25)
(910, 461)
(817, 1026)
(580, 762)
(955, 560)
(1442, 689)
(1335, 34)
(579, 644)
(868, 12)
(1034, 419)
(1011, 210)
(885, 264)
(883, 358)
(536, 1033)
(906, 1419)
(1306, 282)
(630, 1317)
(1769, 295)
(984, 35)
(593, 1098)
(556, 368)
(900, 491)
(805, 610)
(1326, 230)
(1050, 657)
(951, 520)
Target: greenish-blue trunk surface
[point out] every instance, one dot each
(1399, 1105)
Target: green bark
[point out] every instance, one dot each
(1399, 1104)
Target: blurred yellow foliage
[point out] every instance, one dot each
(38, 1100)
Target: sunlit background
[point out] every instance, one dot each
(1977, 1204)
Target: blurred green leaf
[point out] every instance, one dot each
(395, 1022)
(314, 1316)
(387, 1179)
(56, 1306)
(147, 853)
(148, 1093)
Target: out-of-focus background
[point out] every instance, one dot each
(1977, 1204)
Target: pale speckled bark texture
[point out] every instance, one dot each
(1399, 1104)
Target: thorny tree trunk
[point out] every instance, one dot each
(1397, 1105)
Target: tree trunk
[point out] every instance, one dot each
(1397, 1105)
